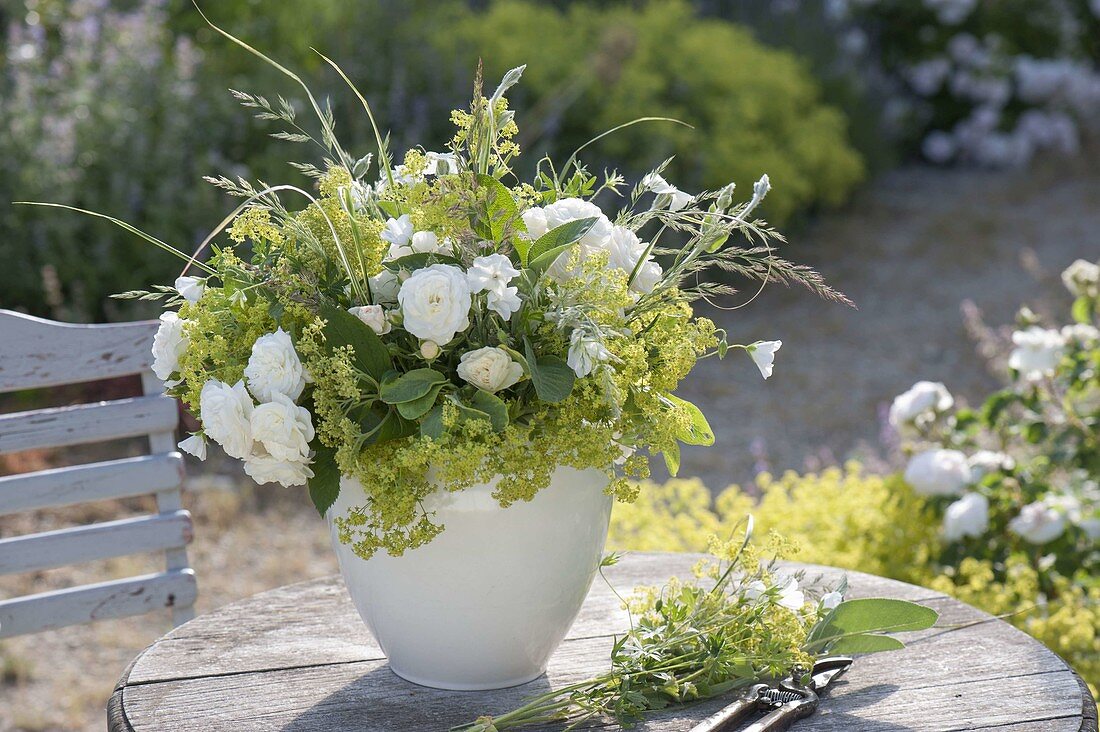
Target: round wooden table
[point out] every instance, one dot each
(299, 659)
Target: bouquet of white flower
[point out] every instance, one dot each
(444, 316)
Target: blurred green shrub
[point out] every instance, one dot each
(120, 106)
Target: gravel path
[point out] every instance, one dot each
(908, 251)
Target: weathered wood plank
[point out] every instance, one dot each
(78, 544)
(85, 423)
(115, 599)
(123, 478)
(40, 353)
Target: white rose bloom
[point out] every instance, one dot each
(435, 302)
(194, 445)
(596, 239)
(1080, 333)
(831, 600)
(535, 221)
(938, 473)
(283, 428)
(373, 316)
(1038, 523)
(625, 249)
(169, 343)
(225, 412)
(922, 401)
(968, 516)
(1082, 278)
(763, 355)
(274, 367)
(585, 353)
(1038, 352)
(190, 288)
(984, 462)
(427, 242)
(264, 468)
(489, 369)
(648, 277)
(384, 286)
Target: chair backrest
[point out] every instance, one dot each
(34, 354)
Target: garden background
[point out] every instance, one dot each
(937, 218)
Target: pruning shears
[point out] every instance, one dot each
(781, 705)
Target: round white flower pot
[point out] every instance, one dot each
(485, 603)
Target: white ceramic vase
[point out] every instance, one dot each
(485, 603)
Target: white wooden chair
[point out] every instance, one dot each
(36, 353)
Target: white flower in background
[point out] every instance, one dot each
(984, 462)
(1038, 523)
(398, 231)
(274, 368)
(190, 288)
(938, 472)
(968, 516)
(585, 353)
(951, 12)
(830, 600)
(763, 355)
(429, 350)
(920, 404)
(225, 412)
(169, 343)
(373, 316)
(927, 77)
(1082, 278)
(939, 147)
(1080, 333)
(790, 596)
(668, 195)
(489, 369)
(264, 468)
(1037, 353)
(194, 445)
(440, 163)
(283, 428)
(384, 286)
(435, 303)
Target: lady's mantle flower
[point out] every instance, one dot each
(1082, 278)
(489, 369)
(283, 428)
(920, 404)
(190, 288)
(169, 344)
(938, 473)
(585, 353)
(668, 195)
(435, 303)
(1037, 353)
(968, 516)
(491, 274)
(225, 412)
(274, 367)
(194, 445)
(373, 316)
(763, 355)
(1038, 523)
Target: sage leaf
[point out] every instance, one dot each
(344, 329)
(553, 243)
(865, 643)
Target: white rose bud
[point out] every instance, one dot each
(435, 303)
(1038, 523)
(225, 411)
(274, 367)
(968, 516)
(169, 344)
(283, 428)
(190, 288)
(373, 316)
(938, 473)
(489, 369)
(429, 350)
(1038, 352)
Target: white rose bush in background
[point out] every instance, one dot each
(442, 315)
(1018, 478)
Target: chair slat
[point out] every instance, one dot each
(137, 476)
(87, 423)
(74, 545)
(115, 599)
(39, 353)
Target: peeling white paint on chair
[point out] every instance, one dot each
(38, 353)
